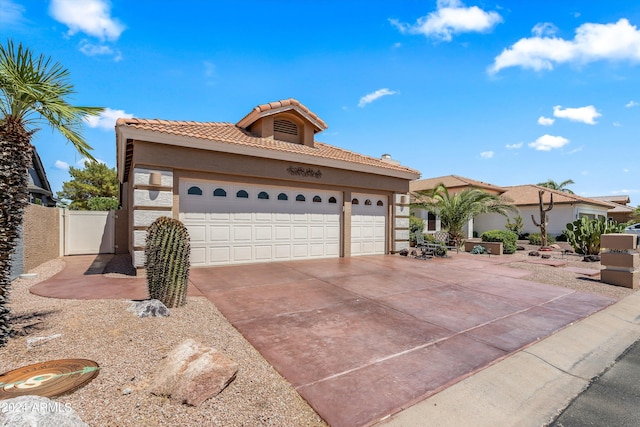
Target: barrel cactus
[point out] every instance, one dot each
(167, 261)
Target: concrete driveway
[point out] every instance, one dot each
(362, 338)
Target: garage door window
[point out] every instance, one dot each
(263, 195)
(242, 194)
(219, 192)
(355, 202)
(332, 200)
(194, 191)
(300, 198)
(317, 199)
(367, 202)
(283, 196)
(380, 203)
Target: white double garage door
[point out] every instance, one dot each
(231, 223)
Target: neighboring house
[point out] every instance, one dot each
(567, 207)
(454, 184)
(620, 213)
(39, 189)
(262, 189)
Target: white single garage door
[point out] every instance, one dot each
(368, 224)
(232, 223)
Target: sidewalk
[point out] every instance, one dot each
(532, 387)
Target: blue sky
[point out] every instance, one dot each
(507, 92)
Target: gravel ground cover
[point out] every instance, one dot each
(129, 349)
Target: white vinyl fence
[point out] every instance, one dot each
(88, 232)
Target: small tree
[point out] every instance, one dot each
(95, 180)
(416, 225)
(516, 226)
(102, 204)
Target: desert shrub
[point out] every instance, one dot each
(536, 239)
(516, 226)
(477, 250)
(509, 239)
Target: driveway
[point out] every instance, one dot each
(365, 337)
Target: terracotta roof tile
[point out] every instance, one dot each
(523, 195)
(452, 182)
(231, 134)
(256, 112)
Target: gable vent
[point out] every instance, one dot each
(285, 126)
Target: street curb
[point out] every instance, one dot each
(533, 386)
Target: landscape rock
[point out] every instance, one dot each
(149, 308)
(545, 256)
(38, 341)
(404, 252)
(591, 258)
(28, 411)
(192, 373)
(520, 248)
(534, 253)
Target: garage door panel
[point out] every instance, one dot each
(300, 251)
(242, 216)
(300, 233)
(283, 251)
(219, 217)
(220, 233)
(219, 255)
(242, 253)
(264, 253)
(283, 232)
(316, 249)
(332, 232)
(198, 255)
(195, 216)
(263, 217)
(283, 217)
(241, 233)
(317, 233)
(263, 233)
(197, 233)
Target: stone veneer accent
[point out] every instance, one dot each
(401, 222)
(150, 202)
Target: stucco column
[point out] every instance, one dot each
(346, 225)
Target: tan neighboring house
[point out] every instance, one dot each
(620, 212)
(260, 190)
(454, 184)
(566, 207)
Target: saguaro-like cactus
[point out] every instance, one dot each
(167, 261)
(543, 217)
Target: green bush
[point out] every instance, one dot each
(516, 226)
(536, 239)
(509, 239)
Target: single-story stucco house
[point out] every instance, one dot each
(260, 190)
(567, 207)
(620, 212)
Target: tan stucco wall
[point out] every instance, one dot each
(41, 233)
(214, 165)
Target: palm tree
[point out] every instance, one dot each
(32, 90)
(555, 186)
(455, 210)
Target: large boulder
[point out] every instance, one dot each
(29, 410)
(192, 373)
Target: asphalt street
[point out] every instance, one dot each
(613, 399)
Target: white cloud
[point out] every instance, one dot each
(91, 49)
(83, 162)
(592, 42)
(61, 165)
(451, 17)
(209, 69)
(544, 29)
(106, 119)
(617, 124)
(548, 142)
(486, 154)
(631, 104)
(514, 146)
(545, 121)
(370, 97)
(625, 170)
(576, 150)
(11, 13)
(92, 17)
(586, 114)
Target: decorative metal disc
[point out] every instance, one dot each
(48, 379)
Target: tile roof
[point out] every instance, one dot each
(229, 133)
(523, 195)
(452, 182)
(260, 111)
(622, 200)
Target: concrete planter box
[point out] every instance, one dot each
(495, 247)
(613, 259)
